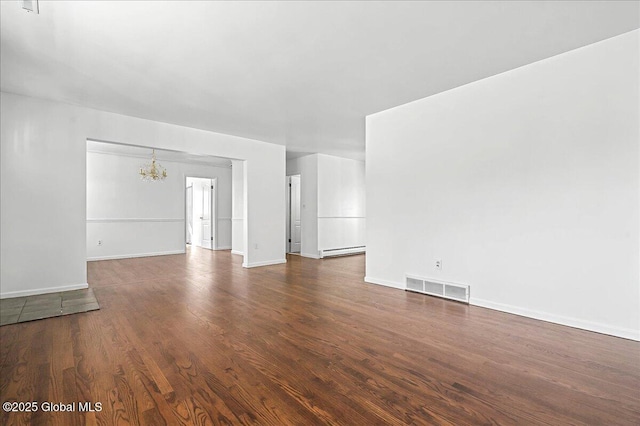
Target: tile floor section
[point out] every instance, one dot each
(21, 309)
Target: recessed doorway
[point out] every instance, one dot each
(294, 226)
(200, 212)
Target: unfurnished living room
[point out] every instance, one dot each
(331, 212)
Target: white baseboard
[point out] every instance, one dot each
(310, 256)
(241, 253)
(265, 263)
(45, 290)
(385, 283)
(223, 248)
(131, 256)
(625, 333)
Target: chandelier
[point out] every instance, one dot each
(153, 172)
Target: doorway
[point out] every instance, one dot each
(294, 228)
(200, 212)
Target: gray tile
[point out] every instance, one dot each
(42, 301)
(42, 306)
(79, 301)
(13, 302)
(8, 319)
(50, 309)
(10, 311)
(30, 316)
(77, 294)
(41, 297)
(50, 305)
(75, 309)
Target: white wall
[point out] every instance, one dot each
(135, 218)
(341, 202)
(525, 184)
(237, 224)
(43, 187)
(333, 202)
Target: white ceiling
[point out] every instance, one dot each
(300, 74)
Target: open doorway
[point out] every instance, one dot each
(294, 225)
(200, 212)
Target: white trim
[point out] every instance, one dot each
(626, 333)
(265, 263)
(216, 162)
(122, 154)
(385, 283)
(237, 218)
(45, 290)
(134, 219)
(310, 256)
(131, 256)
(238, 252)
(223, 248)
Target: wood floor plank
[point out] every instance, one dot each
(196, 339)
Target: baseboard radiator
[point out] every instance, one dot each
(343, 251)
(447, 290)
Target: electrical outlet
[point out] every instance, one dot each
(99, 242)
(438, 264)
(255, 246)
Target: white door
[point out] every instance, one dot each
(189, 214)
(296, 230)
(206, 214)
(201, 212)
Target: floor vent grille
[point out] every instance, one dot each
(447, 290)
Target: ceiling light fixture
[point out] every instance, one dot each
(153, 172)
(31, 6)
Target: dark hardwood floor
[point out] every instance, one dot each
(197, 339)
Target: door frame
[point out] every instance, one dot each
(288, 235)
(213, 209)
(188, 201)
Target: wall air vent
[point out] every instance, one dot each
(453, 291)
